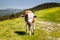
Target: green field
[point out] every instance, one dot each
(11, 29)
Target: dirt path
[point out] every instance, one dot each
(48, 26)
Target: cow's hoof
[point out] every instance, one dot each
(33, 33)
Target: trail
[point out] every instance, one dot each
(48, 26)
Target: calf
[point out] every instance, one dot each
(29, 19)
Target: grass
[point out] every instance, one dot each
(52, 14)
(8, 28)
(11, 29)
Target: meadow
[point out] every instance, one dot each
(47, 25)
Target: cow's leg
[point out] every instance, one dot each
(33, 24)
(31, 29)
(27, 28)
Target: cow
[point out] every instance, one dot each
(29, 19)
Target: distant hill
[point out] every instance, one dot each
(45, 6)
(4, 12)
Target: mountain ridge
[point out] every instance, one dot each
(45, 6)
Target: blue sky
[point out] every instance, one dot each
(23, 4)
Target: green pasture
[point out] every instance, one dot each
(15, 29)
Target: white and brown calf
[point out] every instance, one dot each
(29, 19)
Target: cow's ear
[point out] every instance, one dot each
(22, 15)
(34, 16)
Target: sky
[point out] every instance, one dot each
(22, 4)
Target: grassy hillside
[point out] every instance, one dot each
(52, 14)
(14, 29)
(8, 29)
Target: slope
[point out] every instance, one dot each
(14, 29)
